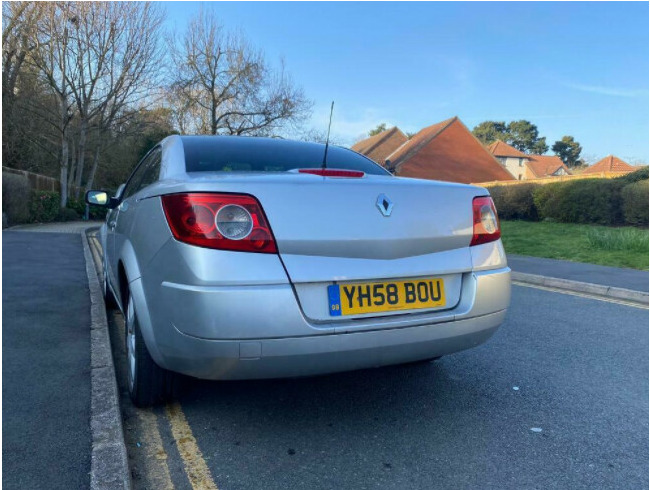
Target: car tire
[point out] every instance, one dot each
(109, 299)
(148, 383)
(424, 361)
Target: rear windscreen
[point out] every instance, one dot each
(247, 154)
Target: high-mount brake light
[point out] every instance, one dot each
(486, 221)
(332, 172)
(221, 221)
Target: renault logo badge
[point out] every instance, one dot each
(384, 204)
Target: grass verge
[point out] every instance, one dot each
(616, 247)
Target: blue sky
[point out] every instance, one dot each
(571, 68)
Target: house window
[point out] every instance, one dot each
(519, 176)
(521, 162)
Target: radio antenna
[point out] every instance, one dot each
(327, 142)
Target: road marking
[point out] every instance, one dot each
(157, 469)
(195, 466)
(95, 248)
(581, 295)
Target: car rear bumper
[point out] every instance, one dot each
(260, 332)
(304, 356)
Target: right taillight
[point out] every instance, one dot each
(221, 221)
(486, 221)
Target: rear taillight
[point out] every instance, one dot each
(222, 221)
(486, 221)
(332, 172)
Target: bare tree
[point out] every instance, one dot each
(223, 85)
(18, 32)
(117, 54)
(55, 61)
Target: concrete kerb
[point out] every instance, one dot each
(109, 468)
(622, 294)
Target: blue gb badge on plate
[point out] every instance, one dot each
(335, 299)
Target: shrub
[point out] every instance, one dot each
(635, 203)
(97, 213)
(78, 205)
(641, 174)
(44, 206)
(68, 214)
(15, 198)
(515, 201)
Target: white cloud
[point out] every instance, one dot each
(615, 92)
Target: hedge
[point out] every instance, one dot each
(635, 203)
(595, 201)
(641, 174)
(515, 201)
(613, 202)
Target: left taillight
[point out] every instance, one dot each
(222, 221)
(486, 221)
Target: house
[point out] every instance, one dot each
(539, 166)
(525, 166)
(379, 146)
(609, 164)
(444, 151)
(512, 159)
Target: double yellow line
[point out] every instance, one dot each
(196, 468)
(157, 469)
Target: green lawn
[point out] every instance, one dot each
(616, 247)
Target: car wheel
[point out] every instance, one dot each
(109, 299)
(148, 383)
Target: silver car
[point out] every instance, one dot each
(244, 258)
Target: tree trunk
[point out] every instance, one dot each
(73, 166)
(91, 177)
(64, 170)
(83, 130)
(64, 149)
(214, 115)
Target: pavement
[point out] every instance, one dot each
(45, 362)
(65, 227)
(575, 271)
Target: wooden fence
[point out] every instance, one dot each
(550, 180)
(38, 182)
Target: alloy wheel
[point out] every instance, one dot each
(130, 341)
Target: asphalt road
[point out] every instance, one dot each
(46, 439)
(558, 398)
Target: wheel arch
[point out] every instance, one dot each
(130, 282)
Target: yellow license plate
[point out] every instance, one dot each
(375, 297)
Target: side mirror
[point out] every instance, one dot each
(101, 198)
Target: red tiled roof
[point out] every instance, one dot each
(379, 146)
(447, 151)
(502, 149)
(545, 165)
(419, 139)
(609, 164)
